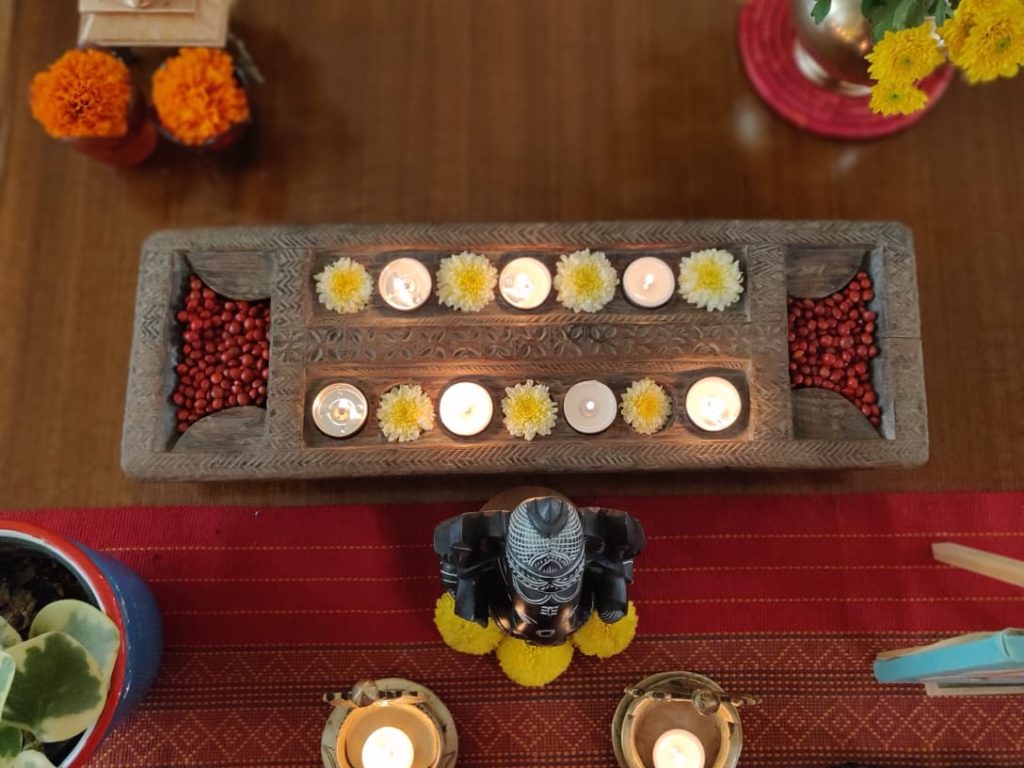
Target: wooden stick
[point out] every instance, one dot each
(977, 561)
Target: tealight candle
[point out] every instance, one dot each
(388, 747)
(589, 407)
(339, 410)
(648, 282)
(405, 284)
(525, 283)
(678, 748)
(465, 409)
(713, 404)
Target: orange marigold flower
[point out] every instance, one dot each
(196, 95)
(83, 94)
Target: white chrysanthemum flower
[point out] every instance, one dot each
(710, 279)
(646, 406)
(404, 413)
(466, 281)
(529, 410)
(585, 281)
(344, 286)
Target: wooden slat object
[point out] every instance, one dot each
(433, 346)
(978, 561)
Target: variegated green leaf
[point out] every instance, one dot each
(32, 759)
(10, 745)
(7, 668)
(89, 626)
(8, 635)
(58, 689)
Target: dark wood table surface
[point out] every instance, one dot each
(486, 110)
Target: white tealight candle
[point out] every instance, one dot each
(525, 283)
(678, 748)
(589, 407)
(405, 284)
(388, 747)
(466, 408)
(713, 404)
(648, 282)
(339, 410)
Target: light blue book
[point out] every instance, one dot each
(983, 660)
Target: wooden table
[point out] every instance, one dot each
(449, 110)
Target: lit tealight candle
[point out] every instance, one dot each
(589, 407)
(648, 282)
(678, 748)
(466, 409)
(525, 283)
(388, 747)
(405, 284)
(339, 410)
(713, 404)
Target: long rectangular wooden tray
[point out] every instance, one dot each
(380, 347)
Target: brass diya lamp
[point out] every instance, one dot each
(388, 723)
(678, 720)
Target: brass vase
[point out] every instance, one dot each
(832, 54)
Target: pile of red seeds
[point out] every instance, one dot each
(832, 343)
(225, 354)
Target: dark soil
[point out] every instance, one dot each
(29, 581)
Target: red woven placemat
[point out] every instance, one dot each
(788, 598)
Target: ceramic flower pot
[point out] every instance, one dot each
(121, 595)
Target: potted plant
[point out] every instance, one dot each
(80, 642)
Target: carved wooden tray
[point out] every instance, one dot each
(500, 346)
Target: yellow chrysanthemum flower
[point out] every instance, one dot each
(995, 46)
(585, 281)
(466, 282)
(985, 7)
(531, 665)
(529, 410)
(646, 406)
(595, 638)
(905, 56)
(888, 98)
(954, 33)
(344, 286)
(710, 279)
(461, 635)
(404, 413)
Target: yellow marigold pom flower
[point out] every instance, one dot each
(533, 666)
(889, 98)
(466, 282)
(905, 56)
(404, 413)
(344, 286)
(596, 638)
(529, 410)
(461, 635)
(710, 279)
(585, 281)
(995, 46)
(646, 406)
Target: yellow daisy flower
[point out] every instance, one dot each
(646, 406)
(995, 46)
(905, 56)
(529, 410)
(533, 665)
(889, 98)
(461, 635)
(466, 282)
(404, 413)
(344, 286)
(710, 279)
(596, 638)
(585, 281)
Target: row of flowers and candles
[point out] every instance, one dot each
(529, 410)
(584, 281)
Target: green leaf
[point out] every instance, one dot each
(820, 10)
(941, 11)
(89, 626)
(32, 759)
(7, 670)
(8, 635)
(893, 15)
(58, 689)
(10, 745)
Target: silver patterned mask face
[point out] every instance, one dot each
(543, 565)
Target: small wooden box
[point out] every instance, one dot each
(380, 347)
